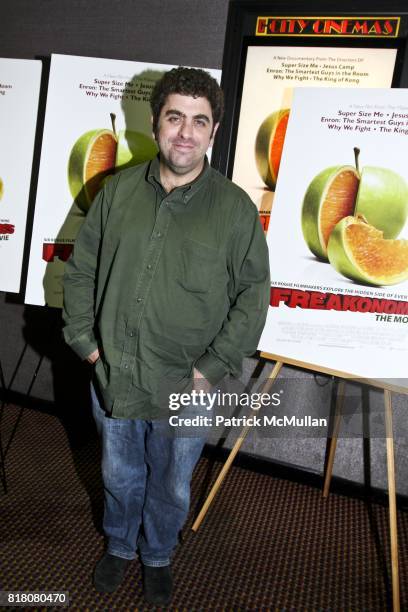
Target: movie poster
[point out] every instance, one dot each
(19, 90)
(271, 73)
(338, 236)
(97, 122)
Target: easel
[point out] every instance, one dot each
(4, 403)
(387, 388)
(2, 454)
(392, 499)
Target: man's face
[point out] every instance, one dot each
(184, 132)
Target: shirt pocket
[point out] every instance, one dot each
(197, 266)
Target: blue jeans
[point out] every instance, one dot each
(146, 475)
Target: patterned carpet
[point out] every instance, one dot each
(266, 544)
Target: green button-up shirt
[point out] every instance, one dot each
(164, 282)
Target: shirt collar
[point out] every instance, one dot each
(185, 192)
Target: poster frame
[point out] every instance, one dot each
(345, 43)
(240, 33)
(311, 105)
(25, 113)
(54, 226)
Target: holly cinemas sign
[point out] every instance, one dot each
(368, 27)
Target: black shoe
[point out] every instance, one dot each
(157, 584)
(109, 573)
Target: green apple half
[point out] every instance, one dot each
(91, 159)
(329, 197)
(269, 144)
(97, 154)
(383, 200)
(379, 194)
(359, 251)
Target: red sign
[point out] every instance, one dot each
(56, 249)
(367, 27)
(296, 298)
(7, 228)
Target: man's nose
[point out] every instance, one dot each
(186, 128)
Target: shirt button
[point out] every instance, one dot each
(131, 334)
(139, 300)
(149, 267)
(126, 366)
(159, 234)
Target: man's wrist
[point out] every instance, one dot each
(211, 368)
(200, 381)
(93, 357)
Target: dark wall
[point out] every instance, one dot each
(167, 31)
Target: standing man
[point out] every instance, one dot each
(169, 280)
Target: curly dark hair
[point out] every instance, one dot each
(187, 82)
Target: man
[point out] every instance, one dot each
(169, 280)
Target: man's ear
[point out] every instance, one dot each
(215, 128)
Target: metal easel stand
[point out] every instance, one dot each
(3, 402)
(392, 496)
(329, 468)
(7, 388)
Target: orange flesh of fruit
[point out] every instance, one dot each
(276, 145)
(339, 202)
(100, 162)
(374, 255)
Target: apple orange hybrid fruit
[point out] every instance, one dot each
(97, 154)
(379, 194)
(269, 144)
(360, 252)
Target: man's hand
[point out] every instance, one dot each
(93, 357)
(200, 381)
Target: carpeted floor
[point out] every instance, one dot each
(266, 544)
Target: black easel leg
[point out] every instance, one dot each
(3, 403)
(20, 414)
